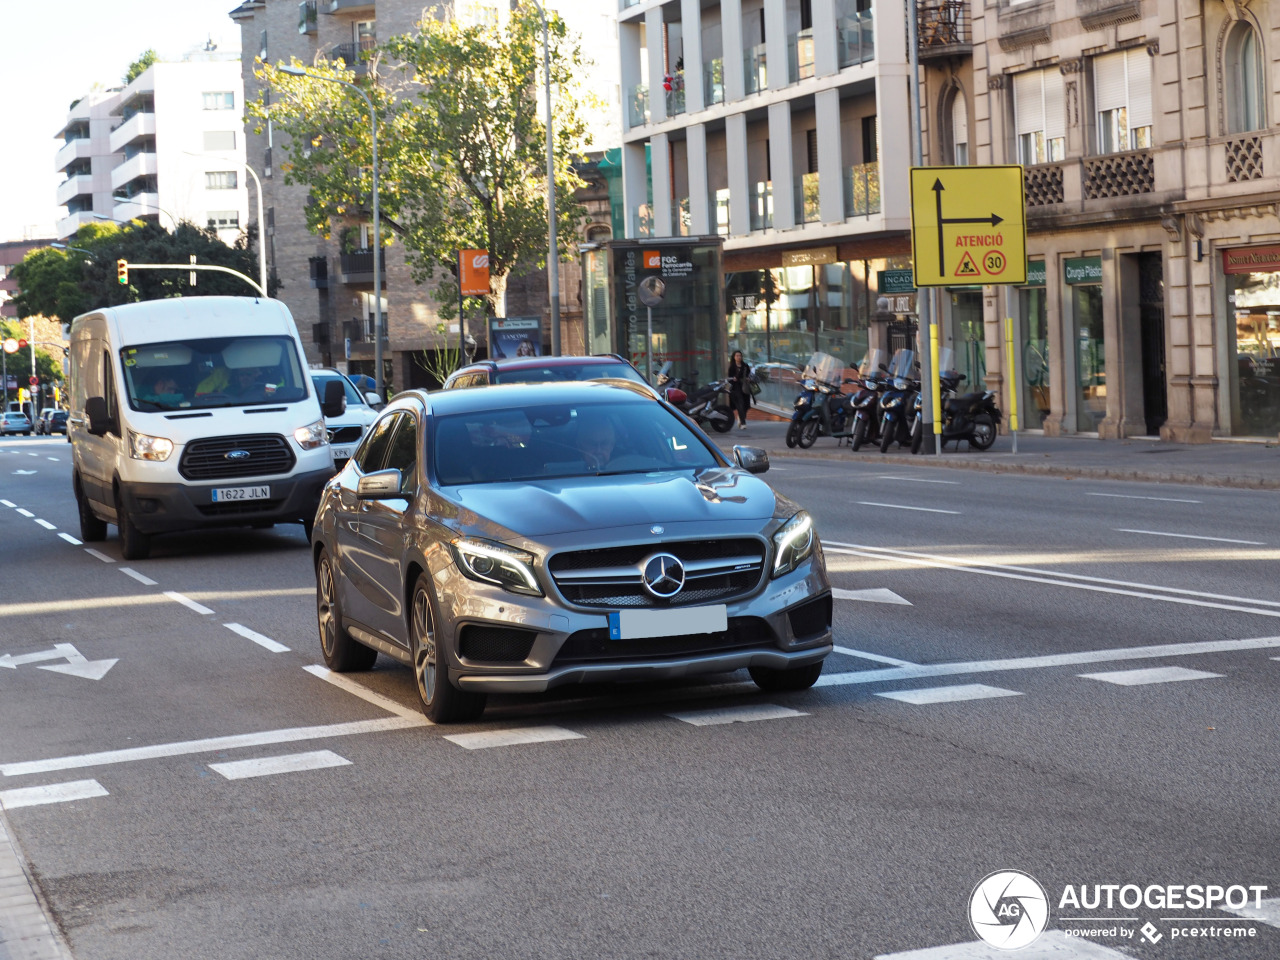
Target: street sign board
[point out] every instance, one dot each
(968, 225)
(895, 281)
(34, 381)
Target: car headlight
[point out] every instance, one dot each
(143, 447)
(311, 436)
(492, 563)
(793, 544)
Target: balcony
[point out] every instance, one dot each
(71, 151)
(800, 56)
(70, 224)
(638, 105)
(673, 86)
(762, 205)
(73, 187)
(806, 198)
(319, 270)
(944, 29)
(862, 190)
(1119, 175)
(713, 82)
(354, 55)
(755, 75)
(1043, 184)
(141, 165)
(349, 6)
(356, 268)
(137, 127)
(140, 205)
(307, 17)
(856, 37)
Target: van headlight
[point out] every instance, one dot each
(144, 447)
(492, 563)
(311, 436)
(793, 544)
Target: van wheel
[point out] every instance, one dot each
(134, 544)
(92, 528)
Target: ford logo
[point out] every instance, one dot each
(238, 455)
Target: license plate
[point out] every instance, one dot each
(640, 624)
(342, 453)
(228, 494)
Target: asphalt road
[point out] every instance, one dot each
(985, 712)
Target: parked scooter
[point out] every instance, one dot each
(865, 403)
(948, 381)
(973, 417)
(804, 401)
(705, 405)
(827, 412)
(897, 405)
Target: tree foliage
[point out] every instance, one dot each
(62, 284)
(462, 143)
(135, 69)
(18, 364)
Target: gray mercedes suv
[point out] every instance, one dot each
(522, 537)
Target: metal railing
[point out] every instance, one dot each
(673, 86)
(755, 72)
(944, 28)
(856, 37)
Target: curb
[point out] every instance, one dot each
(26, 931)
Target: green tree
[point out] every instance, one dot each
(48, 368)
(462, 146)
(135, 69)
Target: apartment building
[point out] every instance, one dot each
(328, 284)
(169, 146)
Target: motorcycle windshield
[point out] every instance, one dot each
(871, 362)
(946, 361)
(825, 368)
(903, 363)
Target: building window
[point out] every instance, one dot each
(221, 180)
(1246, 91)
(224, 220)
(1122, 98)
(1039, 106)
(955, 127)
(220, 100)
(870, 140)
(219, 139)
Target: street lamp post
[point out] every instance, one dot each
(262, 227)
(377, 231)
(553, 254)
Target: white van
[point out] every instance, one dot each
(193, 412)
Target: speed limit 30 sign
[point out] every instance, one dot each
(968, 225)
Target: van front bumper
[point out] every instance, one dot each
(168, 507)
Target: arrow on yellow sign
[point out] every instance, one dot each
(975, 197)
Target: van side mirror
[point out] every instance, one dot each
(335, 400)
(100, 423)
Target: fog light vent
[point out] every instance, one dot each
(495, 644)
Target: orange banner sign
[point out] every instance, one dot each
(475, 272)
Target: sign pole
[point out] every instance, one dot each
(1012, 380)
(462, 337)
(925, 331)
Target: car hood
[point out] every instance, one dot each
(544, 508)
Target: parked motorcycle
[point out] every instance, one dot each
(897, 405)
(826, 412)
(803, 403)
(973, 417)
(704, 405)
(948, 381)
(865, 403)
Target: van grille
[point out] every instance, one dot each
(206, 459)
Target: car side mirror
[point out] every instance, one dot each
(374, 400)
(334, 403)
(379, 485)
(751, 459)
(100, 423)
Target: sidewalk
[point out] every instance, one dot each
(1217, 464)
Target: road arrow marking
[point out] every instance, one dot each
(875, 595)
(89, 670)
(77, 664)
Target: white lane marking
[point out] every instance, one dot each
(257, 638)
(367, 695)
(1268, 911)
(188, 603)
(46, 524)
(513, 737)
(70, 539)
(863, 655)
(210, 745)
(1129, 496)
(25, 513)
(130, 572)
(874, 595)
(1134, 678)
(1192, 536)
(898, 506)
(1051, 660)
(740, 714)
(8, 503)
(101, 556)
(921, 480)
(33, 454)
(51, 793)
(54, 459)
(996, 570)
(269, 766)
(964, 691)
(1052, 945)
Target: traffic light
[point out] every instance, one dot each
(122, 272)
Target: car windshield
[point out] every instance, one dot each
(563, 440)
(213, 372)
(349, 388)
(577, 371)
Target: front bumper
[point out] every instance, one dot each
(168, 507)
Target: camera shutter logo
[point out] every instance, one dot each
(1009, 909)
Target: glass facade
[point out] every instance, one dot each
(1254, 330)
(1091, 372)
(1034, 400)
(968, 338)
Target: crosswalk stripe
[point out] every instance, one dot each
(51, 793)
(953, 694)
(1134, 678)
(873, 595)
(741, 714)
(515, 736)
(288, 763)
(1053, 945)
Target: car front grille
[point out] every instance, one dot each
(346, 434)
(715, 571)
(594, 646)
(206, 459)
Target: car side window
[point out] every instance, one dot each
(371, 453)
(403, 455)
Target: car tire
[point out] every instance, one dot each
(441, 701)
(93, 529)
(134, 544)
(781, 681)
(341, 652)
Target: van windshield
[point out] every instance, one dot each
(212, 372)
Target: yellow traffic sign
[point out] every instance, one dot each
(968, 225)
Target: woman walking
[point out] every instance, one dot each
(739, 397)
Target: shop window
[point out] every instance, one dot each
(1122, 99)
(1246, 90)
(1039, 105)
(1253, 300)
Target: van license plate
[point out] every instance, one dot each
(228, 494)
